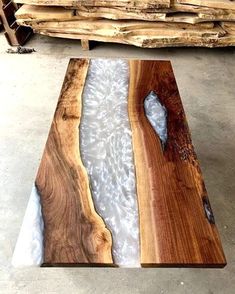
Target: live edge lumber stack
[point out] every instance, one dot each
(148, 23)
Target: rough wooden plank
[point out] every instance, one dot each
(74, 232)
(119, 14)
(221, 4)
(176, 6)
(124, 29)
(48, 13)
(174, 230)
(26, 10)
(103, 3)
(141, 34)
(43, 13)
(152, 41)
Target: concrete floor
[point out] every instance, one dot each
(29, 89)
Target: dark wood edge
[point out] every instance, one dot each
(79, 265)
(179, 265)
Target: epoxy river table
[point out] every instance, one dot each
(119, 183)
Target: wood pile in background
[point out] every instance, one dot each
(147, 23)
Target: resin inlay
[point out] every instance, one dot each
(157, 115)
(106, 151)
(29, 246)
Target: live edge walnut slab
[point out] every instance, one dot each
(176, 223)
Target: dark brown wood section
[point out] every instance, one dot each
(74, 233)
(176, 222)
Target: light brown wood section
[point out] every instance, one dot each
(44, 13)
(85, 45)
(228, 27)
(118, 13)
(74, 233)
(170, 16)
(153, 41)
(174, 229)
(124, 29)
(147, 24)
(221, 4)
(143, 4)
(49, 13)
(142, 34)
(176, 6)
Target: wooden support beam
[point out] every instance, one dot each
(85, 44)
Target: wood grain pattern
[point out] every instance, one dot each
(228, 27)
(176, 13)
(30, 13)
(133, 22)
(174, 230)
(124, 29)
(172, 15)
(152, 41)
(138, 33)
(44, 13)
(143, 4)
(74, 232)
(175, 5)
(221, 4)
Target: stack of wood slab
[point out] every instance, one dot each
(144, 23)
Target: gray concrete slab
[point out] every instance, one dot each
(29, 89)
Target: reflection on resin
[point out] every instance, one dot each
(157, 115)
(106, 151)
